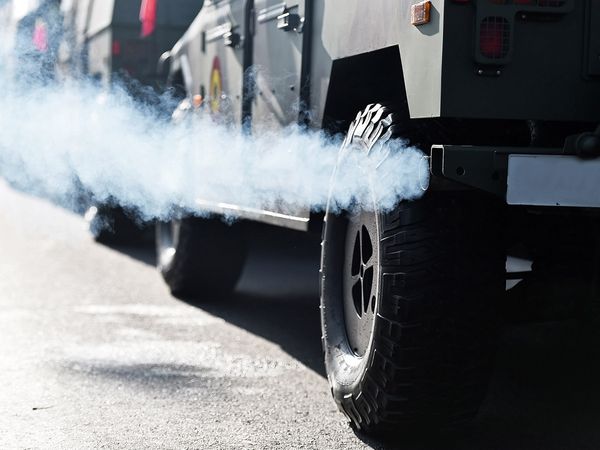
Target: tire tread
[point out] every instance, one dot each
(434, 337)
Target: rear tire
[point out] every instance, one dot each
(112, 225)
(200, 258)
(408, 302)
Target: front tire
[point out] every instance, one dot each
(407, 304)
(113, 225)
(200, 258)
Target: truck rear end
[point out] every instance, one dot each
(526, 78)
(127, 38)
(521, 59)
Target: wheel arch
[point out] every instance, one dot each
(362, 79)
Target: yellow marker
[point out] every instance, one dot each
(216, 86)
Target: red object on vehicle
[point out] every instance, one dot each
(148, 17)
(116, 48)
(40, 36)
(494, 37)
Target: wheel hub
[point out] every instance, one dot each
(361, 279)
(168, 235)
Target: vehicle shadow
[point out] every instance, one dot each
(292, 323)
(277, 296)
(143, 252)
(544, 393)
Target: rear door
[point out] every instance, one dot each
(246, 41)
(277, 57)
(218, 65)
(99, 40)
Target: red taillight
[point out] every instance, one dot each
(116, 48)
(148, 17)
(494, 37)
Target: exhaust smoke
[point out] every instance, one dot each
(75, 142)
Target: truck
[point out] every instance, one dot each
(501, 95)
(118, 42)
(7, 25)
(37, 34)
(114, 39)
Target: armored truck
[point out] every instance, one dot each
(108, 38)
(503, 98)
(120, 41)
(37, 35)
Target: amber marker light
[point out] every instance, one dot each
(420, 13)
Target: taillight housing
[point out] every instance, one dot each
(551, 3)
(494, 37)
(496, 21)
(116, 48)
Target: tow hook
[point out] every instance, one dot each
(584, 145)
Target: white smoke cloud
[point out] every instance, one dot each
(60, 140)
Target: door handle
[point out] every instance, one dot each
(227, 33)
(232, 39)
(289, 22)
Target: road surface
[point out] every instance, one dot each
(97, 354)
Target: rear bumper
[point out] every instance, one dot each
(521, 176)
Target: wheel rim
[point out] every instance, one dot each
(361, 279)
(168, 235)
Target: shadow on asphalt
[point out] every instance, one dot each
(139, 246)
(159, 376)
(292, 323)
(277, 295)
(545, 392)
(144, 253)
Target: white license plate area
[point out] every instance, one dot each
(552, 180)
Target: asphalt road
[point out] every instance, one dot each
(95, 353)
